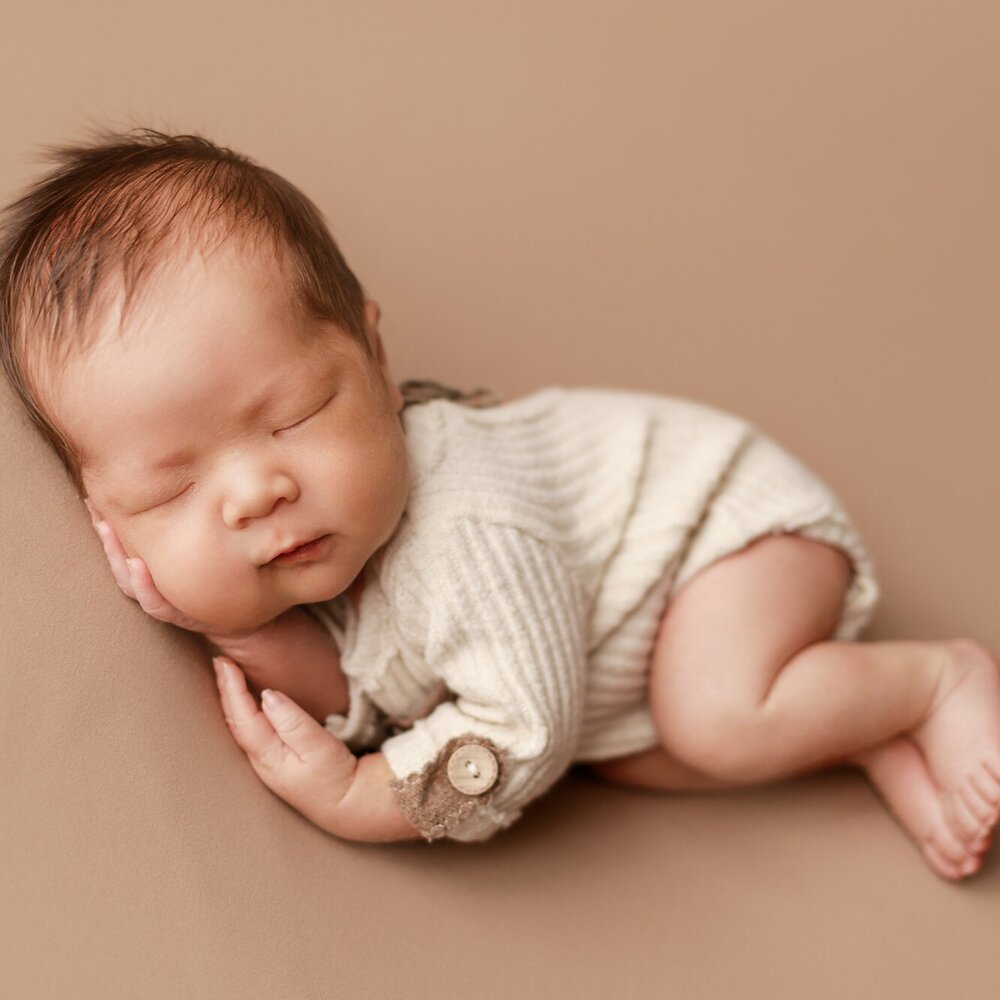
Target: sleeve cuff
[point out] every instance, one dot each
(452, 794)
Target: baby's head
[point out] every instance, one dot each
(183, 330)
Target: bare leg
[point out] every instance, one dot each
(848, 703)
(835, 699)
(746, 687)
(849, 697)
(656, 769)
(896, 769)
(828, 701)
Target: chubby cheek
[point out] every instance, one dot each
(373, 489)
(196, 578)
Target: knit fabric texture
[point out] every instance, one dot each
(518, 601)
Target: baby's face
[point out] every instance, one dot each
(218, 439)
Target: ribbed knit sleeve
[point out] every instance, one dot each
(507, 636)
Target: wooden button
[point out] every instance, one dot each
(472, 769)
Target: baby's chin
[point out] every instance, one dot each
(240, 604)
(225, 621)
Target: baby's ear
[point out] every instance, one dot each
(372, 314)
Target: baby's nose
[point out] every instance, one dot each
(256, 496)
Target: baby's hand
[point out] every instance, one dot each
(135, 580)
(290, 751)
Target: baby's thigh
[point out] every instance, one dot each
(729, 630)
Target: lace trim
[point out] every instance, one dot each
(424, 390)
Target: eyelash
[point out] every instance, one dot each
(298, 423)
(177, 495)
(160, 503)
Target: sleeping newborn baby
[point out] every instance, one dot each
(443, 602)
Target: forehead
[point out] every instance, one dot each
(209, 338)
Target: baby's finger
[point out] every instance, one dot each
(301, 733)
(249, 726)
(150, 599)
(116, 556)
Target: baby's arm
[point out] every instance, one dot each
(294, 654)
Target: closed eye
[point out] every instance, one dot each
(299, 423)
(161, 503)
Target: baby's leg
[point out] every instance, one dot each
(658, 769)
(745, 688)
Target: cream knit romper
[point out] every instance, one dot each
(504, 631)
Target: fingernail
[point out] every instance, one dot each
(271, 699)
(220, 667)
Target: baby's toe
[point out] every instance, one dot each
(965, 815)
(970, 810)
(939, 862)
(982, 845)
(983, 784)
(949, 845)
(991, 762)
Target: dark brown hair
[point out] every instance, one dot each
(113, 209)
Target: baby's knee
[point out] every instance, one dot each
(723, 742)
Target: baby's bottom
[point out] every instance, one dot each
(746, 687)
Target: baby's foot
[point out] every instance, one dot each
(960, 740)
(899, 773)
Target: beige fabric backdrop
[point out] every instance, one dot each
(787, 210)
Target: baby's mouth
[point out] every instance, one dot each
(304, 553)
